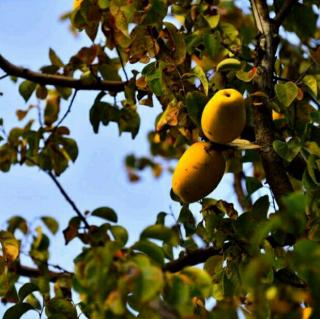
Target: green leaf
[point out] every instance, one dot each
(150, 281)
(26, 89)
(129, 121)
(103, 4)
(150, 249)
(179, 50)
(302, 20)
(105, 213)
(70, 147)
(55, 60)
(199, 73)
(252, 184)
(157, 232)
(51, 111)
(313, 148)
(288, 151)
(51, 223)
(109, 72)
(187, 219)
(62, 307)
(26, 290)
(10, 246)
(229, 64)
(17, 222)
(247, 76)
(213, 20)
(212, 43)
(311, 82)
(200, 279)
(286, 93)
(195, 103)
(17, 311)
(120, 234)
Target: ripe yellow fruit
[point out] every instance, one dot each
(224, 116)
(198, 172)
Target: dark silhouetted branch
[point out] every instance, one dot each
(59, 80)
(26, 271)
(192, 258)
(68, 110)
(4, 76)
(68, 199)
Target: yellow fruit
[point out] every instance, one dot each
(198, 172)
(224, 116)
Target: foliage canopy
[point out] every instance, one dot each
(262, 262)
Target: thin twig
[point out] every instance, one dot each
(4, 76)
(68, 199)
(122, 64)
(59, 80)
(243, 199)
(68, 110)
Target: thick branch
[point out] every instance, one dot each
(264, 128)
(59, 80)
(192, 258)
(30, 272)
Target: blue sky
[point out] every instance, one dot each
(98, 178)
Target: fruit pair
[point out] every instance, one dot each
(201, 167)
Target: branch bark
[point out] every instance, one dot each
(31, 272)
(59, 80)
(264, 128)
(192, 258)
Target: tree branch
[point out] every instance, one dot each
(59, 80)
(191, 258)
(68, 110)
(264, 127)
(68, 199)
(283, 12)
(4, 76)
(30, 272)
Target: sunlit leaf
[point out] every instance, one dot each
(55, 60)
(286, 93)
(157, 232)
(26, 89)
(105, 213)
(51, 223)
(26, 290)
(150, 249)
